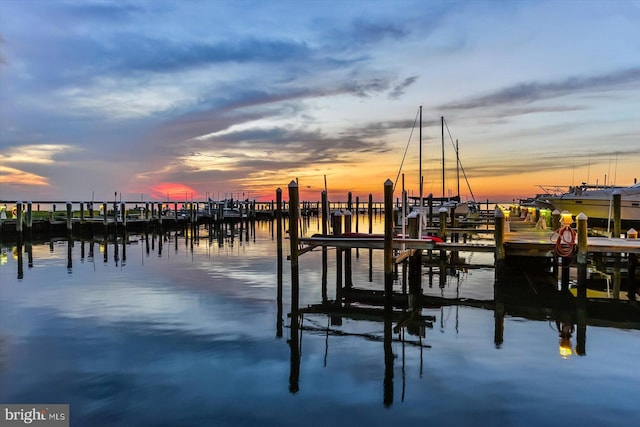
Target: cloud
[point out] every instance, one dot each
(529, 92)
(35, 154)
(399, 89)
(12, 176)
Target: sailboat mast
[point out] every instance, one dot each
(420, 168)
(458, 169)
(442, 126)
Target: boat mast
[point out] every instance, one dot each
(420, 168)
(442, 126)
(458, 169)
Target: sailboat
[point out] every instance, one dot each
(453, 203)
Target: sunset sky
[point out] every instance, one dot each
(184, 99)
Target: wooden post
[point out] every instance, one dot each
(357, 211)
(19, 219)
(123, 214)
(415, 262)
(104, 218)
(81, 212)
(348, 281)
(617, 209)
(69, 217)
(617, 202)
(500, 222)
(29, 216)
(278, 217)
(370, 213)
(323, 215)
(582, 253)
(388, 242)
(294, 202)
(442, 215)
(337, 231)
(555, 219)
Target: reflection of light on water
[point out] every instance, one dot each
(4, 258)
(565, 349)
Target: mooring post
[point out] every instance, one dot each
(294, 202)
(81, 212)
(617, 203)
(278, 217)
(415, 261)
(29, 217)
(582, 252)
(69, 218)
(337, 231)
(123, 214)
(500, 222)
(104, 215)
(348, 282)
(388, 242)
(581, 305)
(323, 215)
(19, 219)
(370, 213)
(442, 217)
(499, 226)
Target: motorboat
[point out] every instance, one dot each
(597, 202)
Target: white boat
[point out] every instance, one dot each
(597, 203)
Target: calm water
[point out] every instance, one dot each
(184, 333)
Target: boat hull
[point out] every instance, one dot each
(598, 208)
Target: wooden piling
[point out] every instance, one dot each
(69, 218)
(582, 253)
(294, 202)
(415, 261)
(442, 216)
(348, 282)
(19, 219)
(29, 217)
(278, 217)
(337, 231)
(388, 241)
(617, 209)
(370, 213)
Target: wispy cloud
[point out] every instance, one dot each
(13, 176)
(35, 154)
(525, 93)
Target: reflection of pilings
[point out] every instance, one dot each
(278, 216)
(29, 250)
(388, 360)
(19, 254)
(69, 253)
(294, 345)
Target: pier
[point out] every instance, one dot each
(553, 269)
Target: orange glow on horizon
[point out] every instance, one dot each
(174, 191)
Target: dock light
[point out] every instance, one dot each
(566, 218)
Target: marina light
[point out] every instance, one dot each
(566, 218)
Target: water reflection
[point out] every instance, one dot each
(187, 321)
